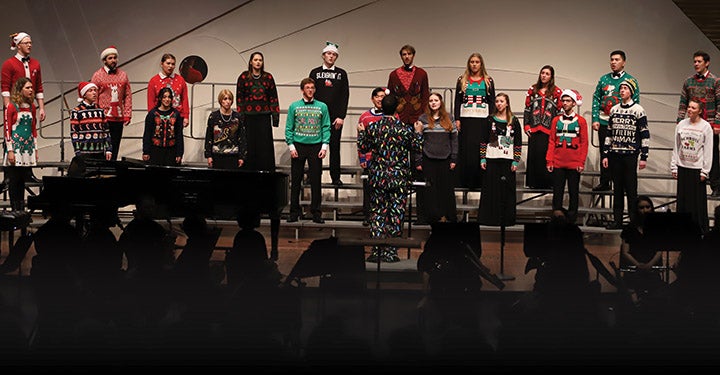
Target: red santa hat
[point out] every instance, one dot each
(16, 38)
(108, 51)
(83, 87)
(573, 94)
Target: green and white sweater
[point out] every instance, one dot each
(307, 123)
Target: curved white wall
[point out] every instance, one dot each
(515, 37)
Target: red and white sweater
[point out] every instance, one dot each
(13, 69)
(180, 92)
(114, 94)
(568, 142)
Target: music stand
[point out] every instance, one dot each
(671, 231)
(502, 274)
(456, 248)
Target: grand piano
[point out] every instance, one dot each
(177, 191)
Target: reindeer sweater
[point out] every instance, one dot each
(114, 94)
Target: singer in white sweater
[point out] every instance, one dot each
(691, 162)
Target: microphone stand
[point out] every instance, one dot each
(501, 275)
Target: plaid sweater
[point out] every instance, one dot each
(705, 89)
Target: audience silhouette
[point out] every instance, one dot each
(106, 301)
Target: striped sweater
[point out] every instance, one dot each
(438, 143)
(705, 89)
(89, 131)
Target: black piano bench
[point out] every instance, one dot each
(10, 221)
(14, 220)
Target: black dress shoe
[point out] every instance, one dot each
(601, 187)
(614, 226)
(292, 218)
(390, 258)
(318, 220)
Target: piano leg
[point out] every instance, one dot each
(274, 233)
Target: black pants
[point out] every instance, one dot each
(714, 178)
(605, 175)
(163, 156)
(366, 195)
(560, 176)
(16, 185)
(335, 152)
(221, 161)
(419, 176)
(309, 153)
(624, 178)
(116, 132)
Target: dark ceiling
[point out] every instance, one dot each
(705, 14)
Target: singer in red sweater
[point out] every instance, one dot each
(567, 151)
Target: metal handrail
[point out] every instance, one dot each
(65, 108)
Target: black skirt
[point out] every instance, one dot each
(497, 200)
(536, 174)
(468, 171)
(260, 144)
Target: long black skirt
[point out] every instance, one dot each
(260, 146)
(692, 196)
(468, 171)
(536, 174)
(497, 200)
(440, 193)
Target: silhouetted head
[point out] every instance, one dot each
(389, 105)
(194, 224)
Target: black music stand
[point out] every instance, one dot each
(671, 231)
(452, 252)
(501, 275)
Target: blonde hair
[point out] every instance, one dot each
(225, 93)
(483, 72)
(444, 116)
